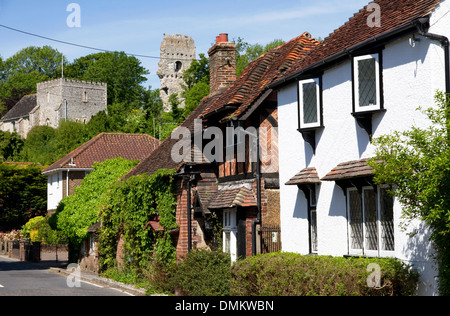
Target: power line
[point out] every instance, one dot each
(79, 45)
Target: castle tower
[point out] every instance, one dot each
(177, 53)
(56, 100)
(64, 99)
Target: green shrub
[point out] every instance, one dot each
(203, 273)
(38, 230)
(287, 274)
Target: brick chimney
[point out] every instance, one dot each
(222, 64)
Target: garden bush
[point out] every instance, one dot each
(202, 273)
(38, 229)
(287, 274)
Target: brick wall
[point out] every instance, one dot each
(205, 187)
(75, 180)
(222, 63)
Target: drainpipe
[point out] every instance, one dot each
(422, 28)
(67, 182)
(258, 193)
(188, 213)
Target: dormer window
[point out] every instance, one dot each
(309, 101)
(367, 83)
(310, 117)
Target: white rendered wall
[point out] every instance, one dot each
(411, 77)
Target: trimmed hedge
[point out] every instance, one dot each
(288, 274)
(206, 273)
(202, 273)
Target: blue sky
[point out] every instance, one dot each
(137, 26)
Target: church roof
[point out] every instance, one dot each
(21, 109)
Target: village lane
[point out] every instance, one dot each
(26, 279)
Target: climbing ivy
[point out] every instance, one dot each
(128, 208)
(77, 212)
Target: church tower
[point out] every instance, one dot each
(177, 53)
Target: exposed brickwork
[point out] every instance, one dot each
(222, 62)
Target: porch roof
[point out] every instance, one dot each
(228, 198)
(350, 170)
(306, 176)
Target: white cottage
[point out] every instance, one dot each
(365, 80)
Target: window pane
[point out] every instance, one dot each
(367, 82)
(314, 230)
(370, 212)
(310, 103)
(227, 242)
(356, 220)
(387, 221)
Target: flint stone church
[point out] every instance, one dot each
(56, 100)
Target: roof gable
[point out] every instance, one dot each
(161, 158)
(394, 15)
(259, 73)
(107, 146)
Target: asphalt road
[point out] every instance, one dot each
(26, 279)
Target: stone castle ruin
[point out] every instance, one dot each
(177, 53)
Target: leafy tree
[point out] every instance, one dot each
(123, 74)
(23, 194)
(20, 73)
(197, 72)
(11, 145)
(246, 53)
(40, 146)
(177, 113)
(152, 103)
(416, 163)
(69, 136)
(197, 87)
(46, 61)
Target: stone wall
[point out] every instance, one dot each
(84, 100)
(177, 53)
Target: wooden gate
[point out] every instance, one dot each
(271, 238)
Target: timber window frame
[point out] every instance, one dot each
(230, 228)
(370, 222)
(310, 103)
(367, 83)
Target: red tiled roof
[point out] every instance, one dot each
(107, 146)
(161, 158)
(261, 72)
(350, 170)
(306, 176)
(394, 15)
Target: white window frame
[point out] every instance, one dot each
(365, 252)
(230, 232)
(377, 105)
(317, 124)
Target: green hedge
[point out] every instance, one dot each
(206, 273)
(203, 273)
(287, 274)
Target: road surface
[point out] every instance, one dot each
(27, 279)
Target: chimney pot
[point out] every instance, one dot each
(222, 38)
(222, 64)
